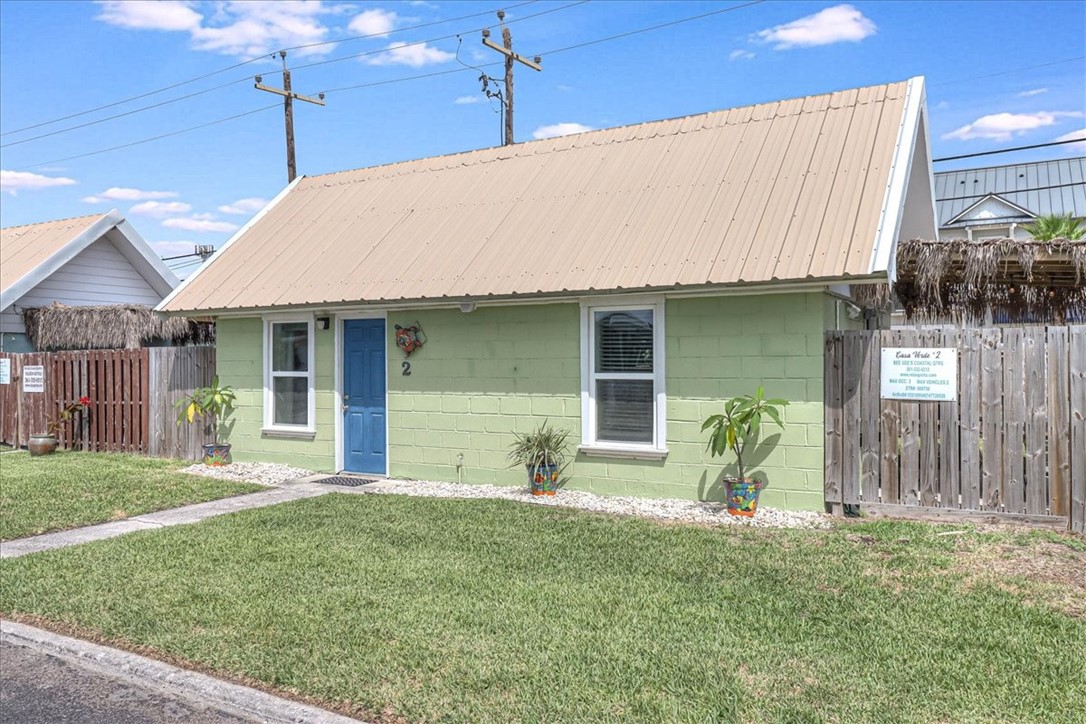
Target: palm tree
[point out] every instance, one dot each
(1047, 228)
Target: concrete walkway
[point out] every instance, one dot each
(162, 519)
(100, 683)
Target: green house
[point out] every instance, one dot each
(620, 283)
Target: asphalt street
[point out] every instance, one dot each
(37, 688)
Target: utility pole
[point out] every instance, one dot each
(288, 110)
(506, 49)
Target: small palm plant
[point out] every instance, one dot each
(735, 430)
(543, 452)
(1054, 226)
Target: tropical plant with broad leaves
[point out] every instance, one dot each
(213, 403)
(1054, 226)
(740, 424)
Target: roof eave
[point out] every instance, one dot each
(62, 256)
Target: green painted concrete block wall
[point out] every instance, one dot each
(498, 370)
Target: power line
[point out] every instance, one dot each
(1011, 191)
(1009, 71)
(381, 51)
(1009, 150)
(410, 78)
(653, 27)
(157, 138)
(247, 62)
(247, 78)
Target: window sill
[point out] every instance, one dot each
(632, 453)
(298, 434)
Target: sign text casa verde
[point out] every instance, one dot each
(919, 373)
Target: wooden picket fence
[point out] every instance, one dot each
(1013, 444)
(131, 391)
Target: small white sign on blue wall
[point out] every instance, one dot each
(919, 373)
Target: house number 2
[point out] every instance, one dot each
(406, 368)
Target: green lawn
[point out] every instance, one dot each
(70, 489)
(412, 609)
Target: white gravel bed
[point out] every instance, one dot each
(260, 473)
(689, 511)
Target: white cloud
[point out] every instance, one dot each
(1031, 93)
(416, 55)
(244, 207)
(14, 181)
(160, 209)
(1074, 147)
(238, 28)
(564, 88)
(201, 223)
(373, 22)
(839, 24)
(1004, 126)
(942, 105)
(560, 129)
(468, 100)
(117, 193)
(740, 54)
(148, 15)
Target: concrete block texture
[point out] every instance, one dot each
(500, 370)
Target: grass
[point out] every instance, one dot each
(412, 609)
(70, 489)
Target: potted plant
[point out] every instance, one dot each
(214, 404)
(45, 443)
(737, 428)
(543, 453)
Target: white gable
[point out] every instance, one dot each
(991, 209)
(99, 274)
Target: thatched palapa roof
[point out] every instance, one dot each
(115, 326)
(1013, 280)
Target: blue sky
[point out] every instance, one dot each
(62, 58)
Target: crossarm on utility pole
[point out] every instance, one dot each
(288, 110)
(506, 49)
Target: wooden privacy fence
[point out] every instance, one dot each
(1012, 444)
(131, 391)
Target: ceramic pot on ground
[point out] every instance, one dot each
(743, 496)
(543, 479)
(42, 444)
(216, 454)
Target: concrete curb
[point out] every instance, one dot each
(198, 688)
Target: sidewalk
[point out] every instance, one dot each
(162, 519)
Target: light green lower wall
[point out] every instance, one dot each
(498, 370)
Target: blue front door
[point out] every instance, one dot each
(364, 396)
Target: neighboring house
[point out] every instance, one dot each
(620, 283)
(995, 202)
(86, 261)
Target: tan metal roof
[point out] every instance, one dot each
(24, 248)
(789, 190)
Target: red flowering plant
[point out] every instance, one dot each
(65, 413)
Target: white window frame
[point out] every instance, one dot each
(590, 445)
(308, 429)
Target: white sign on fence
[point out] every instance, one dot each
(919, 373)
(5, 371)
(34, 378)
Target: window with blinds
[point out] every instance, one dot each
(623, 385)
(288, 376)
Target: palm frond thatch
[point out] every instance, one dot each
(114, 326)
(1009, 279)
